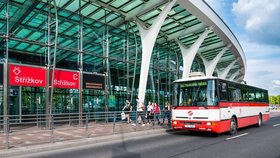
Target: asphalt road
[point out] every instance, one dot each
(250, 142)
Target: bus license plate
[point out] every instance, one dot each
(190, 126)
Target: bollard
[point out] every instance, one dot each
(6, 132)
(114, 123)
(87, 134)
(136, 120)
(69, 120)
(51, 128)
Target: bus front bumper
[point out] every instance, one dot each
(208, 126)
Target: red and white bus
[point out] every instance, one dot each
(216, 105)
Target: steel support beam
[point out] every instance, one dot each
(186, 31)
(234, 75)
(223, 74)
(148, 39)
(80, 47)
(190, 53)
(211, 65)
(6, 75)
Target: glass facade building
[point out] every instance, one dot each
(100, 37)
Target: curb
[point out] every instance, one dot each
(79, 142)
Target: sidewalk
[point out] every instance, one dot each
(32, 135)
(79, 142)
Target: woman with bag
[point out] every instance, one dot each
(127, 109)
(157, 112)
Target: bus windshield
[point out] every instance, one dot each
(198, 93)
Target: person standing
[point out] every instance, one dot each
(127, 110)
(156, 110)
(166, 112)
(149, 112)
(140, 111)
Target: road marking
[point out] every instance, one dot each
(236, 136)
(276, 125)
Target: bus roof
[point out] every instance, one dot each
(195, 78)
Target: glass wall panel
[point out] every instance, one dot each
(93, 101)
(66, 101)
(33, 100)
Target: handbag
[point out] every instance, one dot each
(123, 116)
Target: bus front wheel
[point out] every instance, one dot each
(259, 124)
(233, 126)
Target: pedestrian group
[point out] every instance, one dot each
(147, 115)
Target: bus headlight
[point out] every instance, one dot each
(211, 123)
(175, 122)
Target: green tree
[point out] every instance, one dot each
(272, 100)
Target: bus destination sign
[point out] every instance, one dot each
(194, 84)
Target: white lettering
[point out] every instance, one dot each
(16, 79)
(27, 80)
(75, 76)
(64, 83)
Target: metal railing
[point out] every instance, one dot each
(42, 128)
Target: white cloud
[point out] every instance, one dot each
(275, 88)
(276, 83)
(259, 36)
(264, 73)
(262, 66)
(260, 19)
(255, 50)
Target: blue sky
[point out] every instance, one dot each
(256, 25)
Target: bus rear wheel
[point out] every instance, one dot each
(233, 126)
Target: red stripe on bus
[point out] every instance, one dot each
(223, 104)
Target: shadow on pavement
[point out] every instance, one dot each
(121, 151)
(194, 133)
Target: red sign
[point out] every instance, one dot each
(27, 76)
(66, 79)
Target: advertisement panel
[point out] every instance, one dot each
(93, 81)
(66, 79)
(21, 75)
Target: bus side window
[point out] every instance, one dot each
(223, 91)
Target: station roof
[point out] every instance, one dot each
(185, 22)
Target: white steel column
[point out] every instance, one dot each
(148, 39)
(152, 83)
(189, 53)
(232, 77)
(211, 65)
(223, 74)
